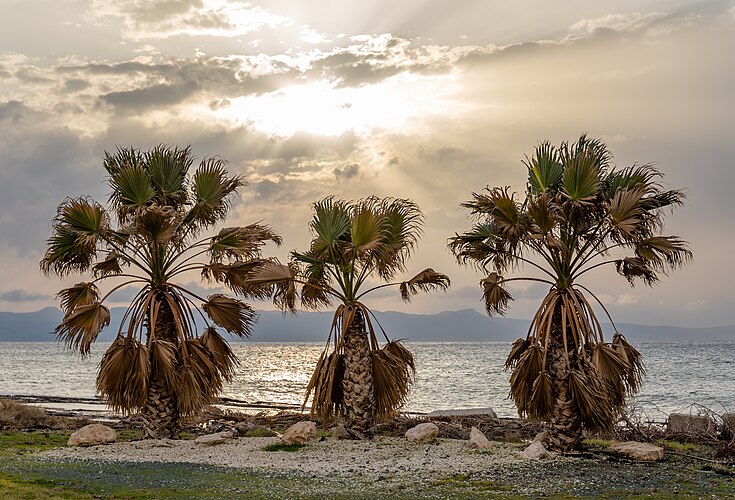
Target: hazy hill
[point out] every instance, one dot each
(466, 325)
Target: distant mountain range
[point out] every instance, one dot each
(459, 326)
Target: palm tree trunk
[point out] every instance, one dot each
(160, 413)
(357, 383)
(565, 423)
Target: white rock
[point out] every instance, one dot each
(463, 413)
(213, 439)
(534, 451)
(542, 437)
(639, 451)
(478, 439)
(339, 432)
(91, 435)
(300, 433)
(423, 433)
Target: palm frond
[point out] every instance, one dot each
(157, 224)
(199, 378)
(530, 363)
(581, 180)
(123, 375)
(633, 267)
(426, 281)
(224, 358)
(495, 295)
(167, 167)
(664, 252)
(331, 224)
(591, 401)
(544, 169)
(81, 294)
(80, 328)
(635, 369)
(132, 190)
(109, 266)
(241, 243)
(231, 314)
(164, 362)
(326, 385)
(516, 351)
(393, 374)
(211, 188)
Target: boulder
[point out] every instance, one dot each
(423, 433)
(542, 437)
(478, 439)
(339, 432)
(682, 423)
(92, 434)
(463, 413)
(213, 439)
(639, 451)
(534, 451)
(300, 433)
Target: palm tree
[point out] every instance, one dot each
(579, 214)
(353, 241)
(158, 364)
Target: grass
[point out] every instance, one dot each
(259, 432)
(283, 447)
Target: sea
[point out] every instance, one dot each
(690, 377)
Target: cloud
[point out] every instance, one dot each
(150, 97)
(19, 295)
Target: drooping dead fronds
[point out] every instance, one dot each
(231, 314)
(123, 376)
(80, 328)
(425, 281)
(393, 374)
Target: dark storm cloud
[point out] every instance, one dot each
(18, 295)
(148, 97)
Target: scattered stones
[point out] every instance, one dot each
(542, 437)
(478, 439)
(339, 432)
(682, 423)
(92, 434)
(423, 433)
(214, 439)
(463, 413)
(639, 451)
(300, 433)
(534, 451)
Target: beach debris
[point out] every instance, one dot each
(682, 423)
(728, 421)
(534, 451)
(300, 433)
(423, 433)
(214, 439)
(478, 439)
(92, 434)
(639, 451)
(463, 413)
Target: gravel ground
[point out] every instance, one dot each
(392, 467)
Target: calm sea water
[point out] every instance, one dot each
(449, 374)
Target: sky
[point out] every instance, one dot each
(423, 99)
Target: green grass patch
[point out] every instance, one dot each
(21, 443)
(283, 447)
(259, 432)
(186, 435)
(690, 448)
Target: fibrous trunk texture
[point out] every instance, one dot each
(160, 413)
(565, 423)
(357, 384)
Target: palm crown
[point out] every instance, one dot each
(353, 242)
(578, 214)
(160, 209)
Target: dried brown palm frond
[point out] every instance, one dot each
(164, 362)
(199, 378)
(123, 375)
(326, 384)
(541, 402)
(425, 281)
(495, 295)
(613, 371)
(231, 314)
(633, 362)
(235, 276)
(241, 243)
(224, 357)
(81, 294)
(109, 266)
(80, 329)
(393, 374)
(529, 365)
(516, 351)
(157, 224)
(590, 398)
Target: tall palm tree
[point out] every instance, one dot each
(158, 364)
(578, 214)
(353, 241)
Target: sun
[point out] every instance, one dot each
(324, 108)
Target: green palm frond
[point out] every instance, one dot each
(132, 191)
(167, 167)
(581, 180)
(211, 191)
(81, 327)
(426, 281)
(366, 232)
(544, 169)
(244, 243)
(231, 314)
